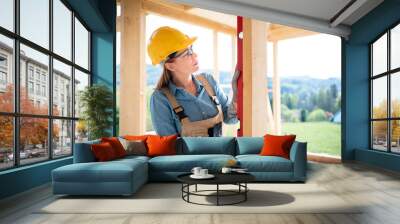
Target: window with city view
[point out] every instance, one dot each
(385, 80)
(44, 65)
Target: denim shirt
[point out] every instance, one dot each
(200, 107)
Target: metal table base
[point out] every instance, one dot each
(242, 191)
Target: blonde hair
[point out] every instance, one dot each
(165, 78)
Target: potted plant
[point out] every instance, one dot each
(96, 102)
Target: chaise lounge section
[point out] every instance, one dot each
(125, 176)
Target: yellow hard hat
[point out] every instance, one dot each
(165, 41)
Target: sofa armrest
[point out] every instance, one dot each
(298, 155)
(83, 152)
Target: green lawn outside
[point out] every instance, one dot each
(321, 137)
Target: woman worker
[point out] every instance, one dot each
(184, 103)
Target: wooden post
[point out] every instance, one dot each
(234, 49)
(257, 111)
(276, 91)
(133, 76)
(215, 55)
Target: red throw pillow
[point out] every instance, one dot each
(277, 145)
(116, 145)
(161, 145)
(103, 152)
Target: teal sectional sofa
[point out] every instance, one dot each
(125, 176)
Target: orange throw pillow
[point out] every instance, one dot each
(136, 137)
(116, 145)
(277, 145)
(161, 145)
(103, 152)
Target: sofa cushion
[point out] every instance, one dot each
(249, 145)
(257, 163)
(206, 145)
(161, 145)
(116, 145)
(133, 158)
(134, 147)
(277, 145)
(185, 163)
(111, 171)
(103, 152)
(83, 152)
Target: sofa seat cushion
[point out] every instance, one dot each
(185, 163)
(257, 163)
(133, 158)
(112, 171)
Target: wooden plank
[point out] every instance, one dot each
(276, 91)
(183, 15)
(257, 111)
(215, 56)
(133, 76)
(278, 33)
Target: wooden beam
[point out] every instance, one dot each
(215, 56)
(182, 15)
(133, 76)
(276, 91)
(119, 24)
(284, 32)
(169, 4)
(257, 111)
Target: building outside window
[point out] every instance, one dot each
(37, 75)
(3, 78)
(3, 71)
(3, 61)
(30, 72)
(44, 77)
(38, 89)
(385, 94)
(43, 90)
(55, 140)
(30, 87)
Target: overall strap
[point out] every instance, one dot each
(178, 109)
(210, 91)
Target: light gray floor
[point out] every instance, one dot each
(379, 189)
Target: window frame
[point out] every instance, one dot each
(388, 74)
(16, 114)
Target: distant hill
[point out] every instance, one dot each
(289, 84)
(299, 84)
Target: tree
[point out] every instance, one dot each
(290, 100)
(303, 115)
(317, 115)
(33, 131)
(288, 115)
(97, 104)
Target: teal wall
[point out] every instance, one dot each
(99, 16)
(24, 178)
(355, 76)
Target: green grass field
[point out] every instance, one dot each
(321, 137)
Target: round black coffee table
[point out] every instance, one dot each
(238, 179)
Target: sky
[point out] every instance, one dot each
(317, 56)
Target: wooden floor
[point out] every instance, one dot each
(379, 189)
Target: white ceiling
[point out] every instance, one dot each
(314, 15)
(322, 9)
